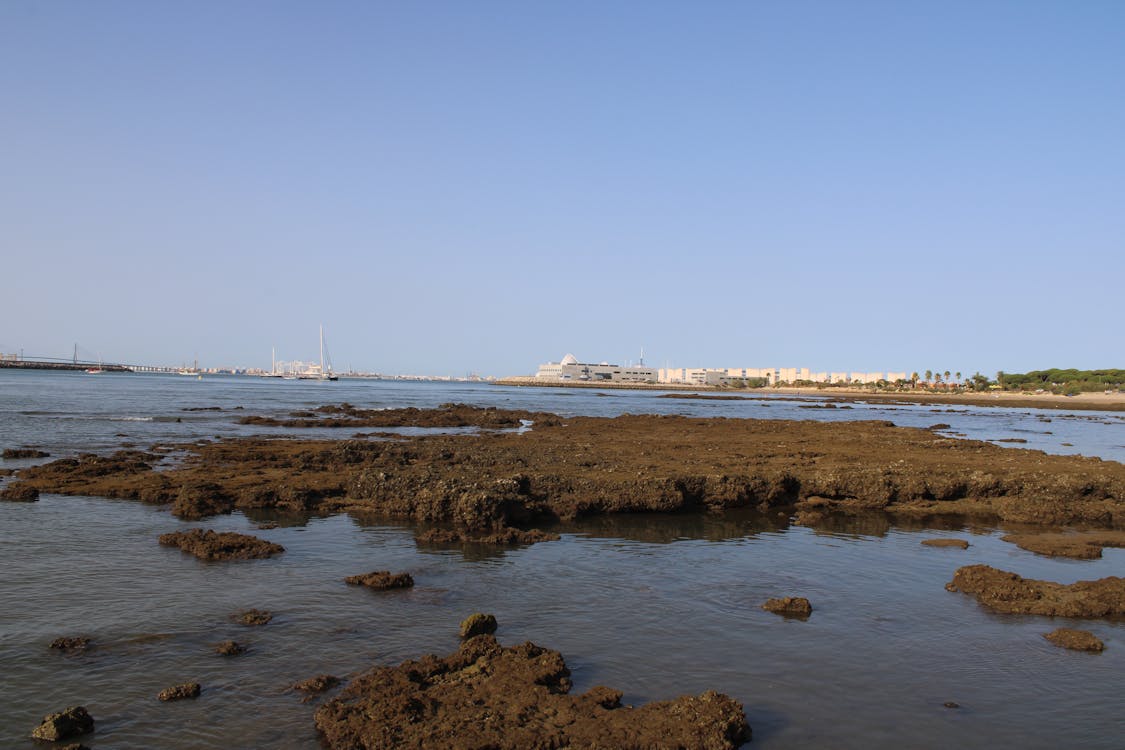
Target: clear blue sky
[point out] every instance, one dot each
(483, 186)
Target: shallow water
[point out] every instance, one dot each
(656, 606)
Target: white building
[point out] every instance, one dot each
(571, 369)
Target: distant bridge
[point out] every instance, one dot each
(20, 362)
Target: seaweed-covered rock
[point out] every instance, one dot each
(207, 544)
(180, 692)
(70, 722)
(486, 695)
(789, 606)
(1007, 592)
(382, 580)
(478, 624)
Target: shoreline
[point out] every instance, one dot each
(1006, 399)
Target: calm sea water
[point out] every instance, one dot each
(656, 606)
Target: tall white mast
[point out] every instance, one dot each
(322, 349)
(273, 360)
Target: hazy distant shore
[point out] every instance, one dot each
(1081, 402)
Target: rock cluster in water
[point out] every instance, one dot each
(478, 624)
(509, 698)
(207, 544)
(180, 692)
(254, 617)
(790, 606)
(382, 580)
(1077, 640)
(71, 644)
(1081, 545)
(1007, 592)
(70, 722)
(958, 543)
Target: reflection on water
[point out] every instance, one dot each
(656, 605)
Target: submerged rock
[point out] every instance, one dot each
(478, 624)
(486, 695)
(504, 536)
(960, 543)
(180, 692)
(382, 580)
(230, 648)
(70, 722)
(313, 686)
(254, 617)
(790, 606)
(1007, 592)
(71, 644)
(226, 545)
(1078, 640)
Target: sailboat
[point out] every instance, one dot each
(321, 373)
(273, 373)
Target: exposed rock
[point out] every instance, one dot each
(478, 624)
(230, 648)
(179, 692)
(1007, 592)
(382, 580)
(20, 492)
(254, 617)
(72, 644)
(73, 746)
(960, 543)
(207, 544)
(951, 704)
(1078, 640)
(939, 426)
(24, 453)
(70, 722)
(1082, 545)
(485, 695)
(790, 606)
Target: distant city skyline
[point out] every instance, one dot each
(462, 187)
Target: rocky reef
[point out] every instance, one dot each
(482, 485)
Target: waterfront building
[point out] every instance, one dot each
(569, 368)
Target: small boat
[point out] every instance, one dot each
(94, 370)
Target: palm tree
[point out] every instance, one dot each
(958, 374)
(929, 375)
